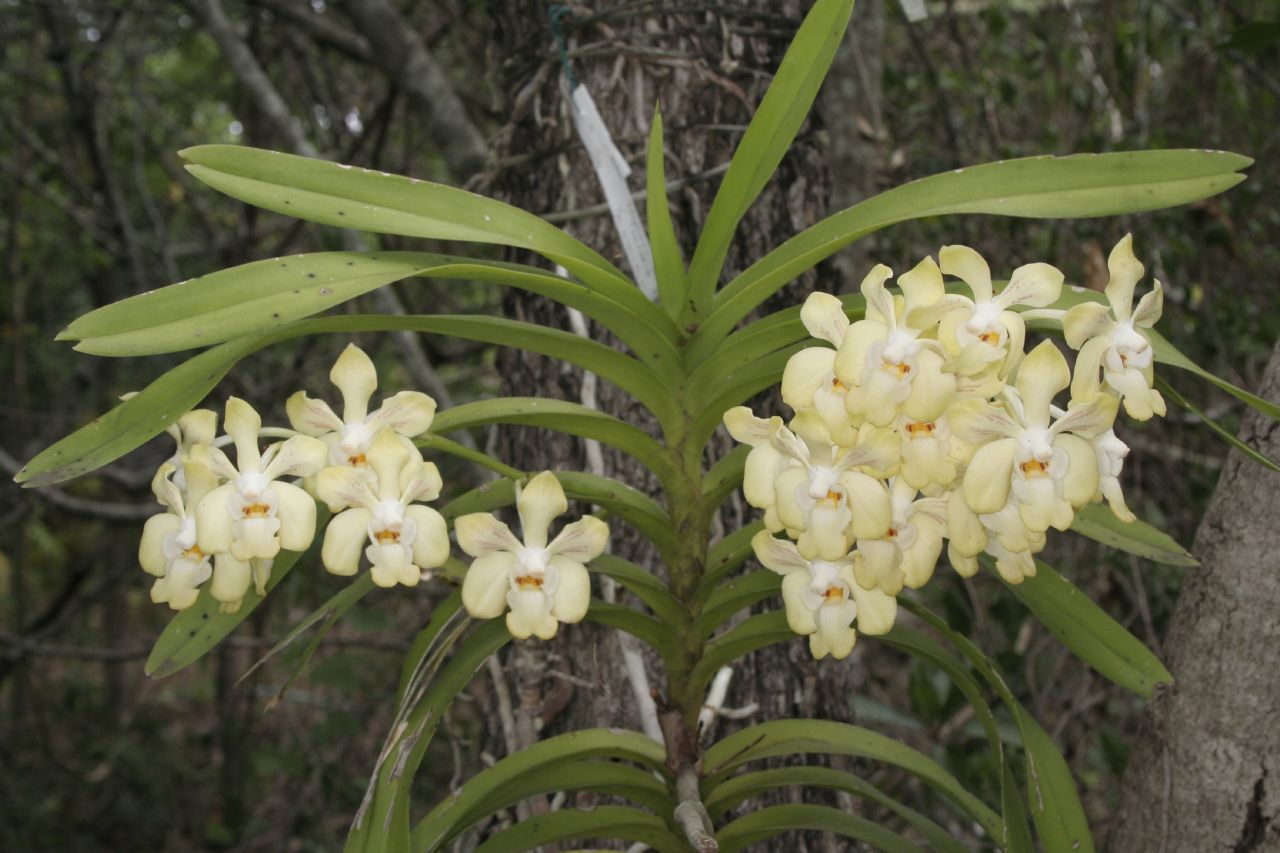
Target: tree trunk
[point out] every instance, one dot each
(708, 69)
(1204, 774)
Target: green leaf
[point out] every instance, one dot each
(733, 596)
(329, 613)
(566, 417)
(738, 387)
(1054, 187)
(741, 788)
(614, 822)
(193, 632)
(1176, 397)
(1089, 632)
(643, 585)
(658, 635)
(668, 262)
(1167, 353)
(725, 556)
(725, 477)
(128, 425)
(1137, 537)
(346, 197)
(772, 129)
(755, 632)
(484, 792)
(792, 737)
(772, 821)
(1055, 804)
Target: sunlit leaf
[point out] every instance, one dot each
(1138, 537)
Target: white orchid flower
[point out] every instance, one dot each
(198, 426)
(764, 463)
(809, 380)
(408, 413)
(886, 362)
(254, 515)
(400, 538)
(1113, 340)
(1013, 544)
(542, 583)
(823, 599)
(984, 333)
(1041, 466)
(820, 499)
(168, 547)
(909, 550)
(931, 454)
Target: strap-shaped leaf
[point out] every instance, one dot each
(193, 632)
(658, 635)
(566, 417)
(1225, 434)
(731, 596)
(737, 388)
(1167, 353)
(1138, 537)
(668, 262)
(1089, 632)
(725, 556)
(772, 129)
(643, 585)
(1055, 187)
(615, 822)
(725, 477)
(485, 792)
(742, 788)
(756, 632)
(347, 197)
(758, 826)
(269, 294)
(128, 425)
(793, 737)
(1055, 804)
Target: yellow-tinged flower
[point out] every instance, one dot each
(983, 334)
(908, 552)
(1039, 466)
(820, 499)
(823, 599)
(1013, 544)
(764, 463)
(888, 365)
(254, 515)
(168, 547)
(809, 380)
(198, 426)
(408, 413)
(542, 583)
(400, 538)
(1113, 340)
(931, 454)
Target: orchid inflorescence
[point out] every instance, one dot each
(926, 421)
(229, 520)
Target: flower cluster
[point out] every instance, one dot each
(926, 422)
(229, 520)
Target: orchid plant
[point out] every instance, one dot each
(915, 423)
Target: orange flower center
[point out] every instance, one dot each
(900, 368)
(256, 511)
(194, 553)
(357, 461)
(1034, 468)
(837, 385)
(527, 582)
(834, 594)
(991, 338)
(892, 534)
(387, 537)
(921, 430)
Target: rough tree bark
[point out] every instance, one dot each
(1204, 775)
(708, 66)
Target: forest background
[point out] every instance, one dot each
(96, 98)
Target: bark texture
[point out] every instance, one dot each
(1204, 776)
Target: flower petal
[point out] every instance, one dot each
(1043, 373)
(213, 520)
(1125, 271)
(344, 541)
(243, 424)
(779, 555)
(876, 610)
(879, 300)
(480, 534)
(988, 478)
(968, 266)
(300, 456)
(745, 427)
(799, 617)
(1036, 285)
(805, 373)
(1084, 322)
(583, 541)
(231, 580)
(541, 500)
(530, 615)
(354, 375)
(1150, 307)
(408, 413)
(431, 543)
(310, 416)
(573, 593)
(484, 589)
(297, 513)
(340, 486)
(823, 316)
(922, 289)
(150, 550)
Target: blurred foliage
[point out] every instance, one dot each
(96, 98)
